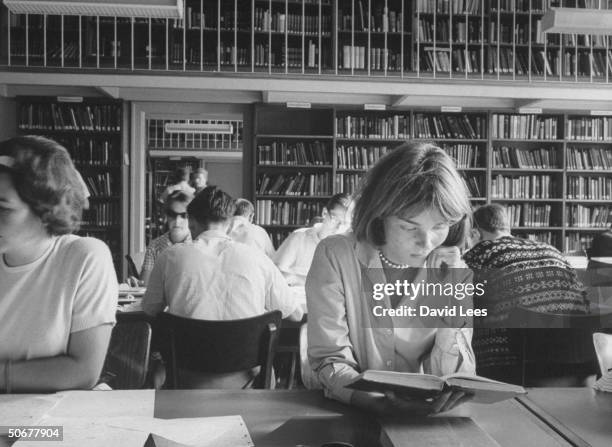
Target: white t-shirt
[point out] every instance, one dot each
(295, 254)
(250, 234)
(216, 278)
(70, 288)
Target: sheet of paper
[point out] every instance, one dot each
(90, 432)
(25, 409)
(103, 404)
(225, 431)
(222, 431)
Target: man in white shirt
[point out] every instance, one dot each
(214, 277)
(244, 230)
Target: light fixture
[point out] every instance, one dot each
(577, 21)
(203, 128)
(172, 9)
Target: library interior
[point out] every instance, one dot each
(198, 198)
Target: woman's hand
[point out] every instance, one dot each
(445, 257)
(392, 403)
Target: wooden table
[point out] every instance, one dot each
(277, 418)
(581, 415)
(299, 417)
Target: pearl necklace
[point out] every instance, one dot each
(391, 264)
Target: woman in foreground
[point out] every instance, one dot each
(58, 292)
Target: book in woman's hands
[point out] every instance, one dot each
(484, 390)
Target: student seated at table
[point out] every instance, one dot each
(244, 230)
(295, 254)
(199, 179)
(403, 213)
(216, 278)
(58, 291)
(178, 231)
(516, 272)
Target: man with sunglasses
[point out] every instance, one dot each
(178, 231)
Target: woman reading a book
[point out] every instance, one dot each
(407, 205)
(58, 292)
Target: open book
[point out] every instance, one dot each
(485, 390)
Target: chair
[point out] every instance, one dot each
(222, 346)
(563, 341)
(603, 350)
(134, 264)
(127, 359)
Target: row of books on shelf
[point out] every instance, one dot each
(348, 183)
(523, 187)
(589, 188)
(274, 212)
(462, 32)
(525, 158)
(382, 19)
(91, 151)
(356, 57)
(70, 116)
(101, 185)
(359, 157)
(546, 237)
(102, 214)
(519, 34)
(295, 184)
(449, 6)
(462, 60)
(589, 158)
(578, 242)
(465, 155)
(524, 127)
(589, 129)
(528, 215)
(450, 126)
(389, 127)
(291, 23)
(597, 216)
(475, 185)
(289, 153)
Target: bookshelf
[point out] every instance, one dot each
(553, 172)
(91, 131)
(463, 39)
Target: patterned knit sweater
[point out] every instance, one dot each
(518, 272)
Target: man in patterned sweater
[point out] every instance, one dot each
(516, 272)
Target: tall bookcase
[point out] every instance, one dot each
(91, 131)
(553, 172)
(293, 167)
(464, 39)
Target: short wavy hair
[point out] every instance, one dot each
(410, 179)
(46, 180)
(492, 218)
(211, 205)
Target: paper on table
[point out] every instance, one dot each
(102, 404)
(25, 409)
(90, 432)
(222, 431)
(225, 431)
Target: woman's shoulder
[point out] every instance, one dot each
(342, 241)
(81, 247)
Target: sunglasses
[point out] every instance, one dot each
(174, 214)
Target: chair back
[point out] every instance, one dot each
(223, 346)
(603, 349)
(127, 359)
(562, 341)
